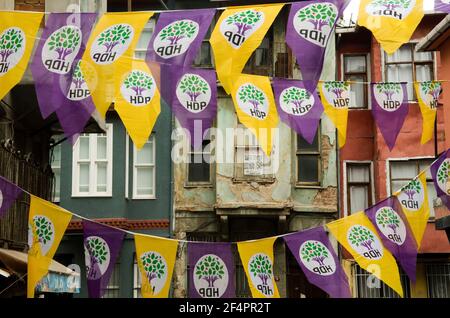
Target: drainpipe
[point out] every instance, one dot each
(338, 177)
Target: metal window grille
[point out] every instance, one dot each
(438, 280)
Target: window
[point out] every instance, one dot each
(144, 39)
(260, 61)
(113, 288)
(308, 161)
(144, 173)
(402, 172)
(359, 187)
(407, 65)
(199, 167)
(368, 286)
(92, 164)
(55, 163)
(136, 279)
(204, 56)
(438, 280)
(355, 69)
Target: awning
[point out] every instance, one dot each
(60, 278)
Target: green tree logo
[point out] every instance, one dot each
(387, 218)
(244, 20)
(210, 269)
(412, 188)
(65, 41)
(178, 30)
(193, 85)
(99, 256)
(319, 15)
(251, 94)
(77, 76)
(361, 236)
(154, 266)
(138, 82)
(115, 35)
(11, 41)
(337, 88)
(43, 229)
(392, 4)
(432, 88)
(388, 89)
(260, 266)
(314, 251)
(443, 175)
(296, 96)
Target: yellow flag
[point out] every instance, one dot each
(17, 34)
(239, 31)
(109, 53)
(392, 22)
(255, 106)
(357, 234)
(427, 95)
(137, 101)
(335, 98)
(257, 260)
(156, 259)
(414, 200)
(47, 223)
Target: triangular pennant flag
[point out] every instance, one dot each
(9, 193)
(47, 224)
(392, 22)
(255, 107)
(428, 95)
(389, 109)
(211, 269)
(414, 200)
(308, 30)
(336, 99)
(357, 234)
(156, 259)
(102, 245)
(257, 260)
(395, 233)
(315, 255)
(109, 53)
(17, 35)
(440, 171)
(238, 32)
(138, 102)
(298, 106)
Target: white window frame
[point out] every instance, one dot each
(369, 78)
(150, 26)
(135, 195)
(92, 166)
(54, 167)
(346, 213)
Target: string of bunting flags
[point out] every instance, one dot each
(83, 63)
(386, 233)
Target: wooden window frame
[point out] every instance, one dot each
(365, 75)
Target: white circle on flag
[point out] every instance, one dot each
(12, 48)
(210, 276)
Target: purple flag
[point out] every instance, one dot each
(62, 43)
(193, 98)
(298, 106)
(442, 6)
(389, 109)
(211, 270)
(309, 27)
(102, 246)
(9, 192)
(315, 255)
(440, 170)
(393, 227)
(178, 35)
